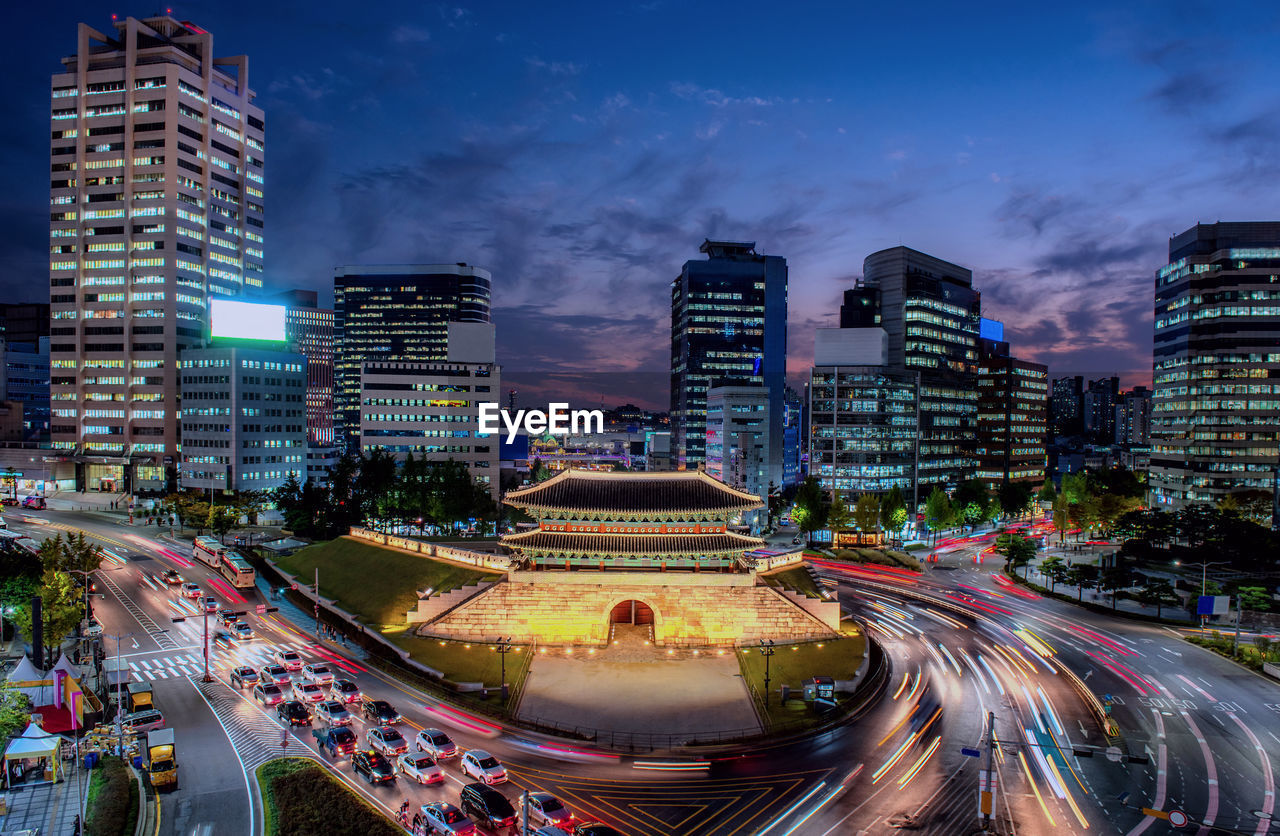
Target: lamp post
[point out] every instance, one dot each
(503, 648)
(766, 650)
(119, 681)
(1204, 578)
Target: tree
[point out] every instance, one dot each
(1082, 577)
(972, 492)
(809, 511)
(1253, 598)
(1018, 550)
(15, 711)
(1158, 592)
(866, 512)
(1014, 498)
(79, 554)
(1113, 579)
(1047, 493)
(1253, 505)
(838, 516)
(937, 510)
(221, 520)
(61, 606)
(1061, 515)
(893, 510)
(1054, 569)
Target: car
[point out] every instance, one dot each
(386, 740)
(222, 638)
(307, 692)
(483, 766)
(92, 627)
(436, 743)
(379, 711)
(289, 658)
(545, 808)
(548, 830)
(795, 541)
(210, 604)
(421, 768)
(344, 690)
(228, 618)
(374, 767)
(487, 806)
(268, 694)
(333, 712)
(441, 817)
(244, 676)
(317, 672)
(339, 742)
(242, 631)
(191, 590)
(171, 577)
(595, 828)
(35, 502)
(141, 722)
(294, 713)
(9, 500)
(276, 674)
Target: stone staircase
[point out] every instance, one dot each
(433, 607)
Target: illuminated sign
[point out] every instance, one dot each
(233, 319)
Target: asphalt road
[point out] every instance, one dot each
(959, 647)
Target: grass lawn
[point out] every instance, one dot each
(378, 585)
(301, 797)
(792, 664)
(797, 579)
(465, 661)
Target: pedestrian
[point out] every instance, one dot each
(284, 740)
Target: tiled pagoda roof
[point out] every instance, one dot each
(669, 493)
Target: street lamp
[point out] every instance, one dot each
(1204, 578)
(766, 650)
(503, 648)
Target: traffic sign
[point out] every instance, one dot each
(1114, 754)
(1177, 818)
(260, 609)
(972, 753)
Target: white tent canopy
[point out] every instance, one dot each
(27, 672)
(34, 744)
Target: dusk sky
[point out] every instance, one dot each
(582, 152)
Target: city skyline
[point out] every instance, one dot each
(586, 171)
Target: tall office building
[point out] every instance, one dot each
(309, 331)
(397, 313)
(1133, 418)
(24, 380)
(1066, 406)
(737, 442)
(1012, 417)
(156, 192)
(930, 313)
(1216, 365)
(728, 328)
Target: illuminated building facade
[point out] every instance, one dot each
(309, 331)
(1216, 374)
(1066, 406)
(397, 313)
(156, 191)
(636, 521)
(728, 328)
(1012, 418)
(931, 313)
(244, 424)
(1133, 418)
(737, 447)
(793, 440)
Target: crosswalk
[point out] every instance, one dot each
(191, 663)
(254, 735)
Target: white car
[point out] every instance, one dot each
(441, 817)
(307, 692)
(546, 809)
(436, 743)
(318, 673)
(421, 768)
(191, 590)
(93, 627)
(387, 741)
(290, 659)
(333, 712)
(483, 766)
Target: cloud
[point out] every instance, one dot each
(555, 68)
(715, 98)
(409, 34)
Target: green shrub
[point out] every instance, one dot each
(111, 807)
(302, 799)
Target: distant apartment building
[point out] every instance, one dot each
(1066, 406)
(24, 381)
(863, 415)
(431, 410)
(309, 331)
(728, 328)
(244, 424)
(737, 441)
(930, 313)
(793, 438)
(397, 313)
(1133, 418)
(1012, 418)
(24, 322)
(1216, 365)
(1100, 400)
(156, 192)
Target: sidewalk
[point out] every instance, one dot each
(1096, 597)
(45, 808)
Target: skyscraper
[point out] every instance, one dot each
(1216, 364)
(737, 441)
(1066, 406)
(1100, 400)
(728, 328)
(309, 331)
(1012, 417)
(397, 312)
(930, 312)
(156, 188)
(1133, 418)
